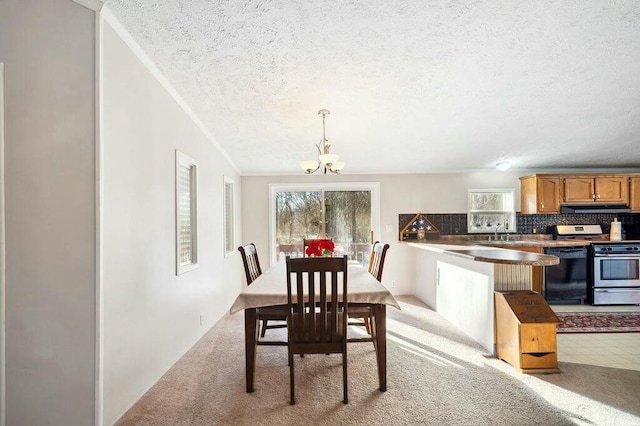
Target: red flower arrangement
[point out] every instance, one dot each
(320, 248)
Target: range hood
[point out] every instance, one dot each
(594, 208)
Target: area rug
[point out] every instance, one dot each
(598, 322)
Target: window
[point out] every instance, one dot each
(490, 210)
(186, 213)
(229, 211)
(345, 212)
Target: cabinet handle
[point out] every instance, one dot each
(593, 196)
(541, 206)
(597, 195)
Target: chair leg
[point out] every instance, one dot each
(344, 377)
(264, 327)
(291, 380)
(367, 325)
(372, 320)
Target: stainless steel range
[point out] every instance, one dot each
(614, 273)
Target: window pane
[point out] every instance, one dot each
(487, 201)
(186, 213)
(348, 222)
(298, 216)
(229, 234)
(346, 219)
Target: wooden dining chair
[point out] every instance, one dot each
(277, 313)
(360, 314)
(319, 282)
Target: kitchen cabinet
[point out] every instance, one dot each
(600, 189)
(634, 193)
(540, 194)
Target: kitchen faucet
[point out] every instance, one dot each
(495, 238)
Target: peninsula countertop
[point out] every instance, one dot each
(487, 254)
(516, 241)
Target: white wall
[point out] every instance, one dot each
(411, 193)
(151, 316)
(3, 409)
(48, 49)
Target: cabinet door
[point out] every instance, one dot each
(634, 196)
(548, 189)
(612, 189)
(579, 190)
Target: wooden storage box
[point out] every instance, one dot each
(526, 331)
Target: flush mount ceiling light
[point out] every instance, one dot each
(503, 165)
(325, 160)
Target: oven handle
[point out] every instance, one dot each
(625, 255)
(616, 290)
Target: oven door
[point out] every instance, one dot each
(616, 271)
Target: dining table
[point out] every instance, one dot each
(270, 289)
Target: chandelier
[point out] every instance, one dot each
(325, 160)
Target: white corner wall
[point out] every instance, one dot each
(151, 317)
(48, 50)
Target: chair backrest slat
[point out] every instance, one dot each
(251, 262)
(376, 261)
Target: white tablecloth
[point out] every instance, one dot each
(270, 288)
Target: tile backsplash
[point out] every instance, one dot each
(456, 223)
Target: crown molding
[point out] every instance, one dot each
(115, 24)
(95, 5)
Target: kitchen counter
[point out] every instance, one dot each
(519, 240)
(457, 279)
(510, 257)
(473, 251)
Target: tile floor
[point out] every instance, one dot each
(617, 350)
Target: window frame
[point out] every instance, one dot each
(509, 212)
(229, 218)
(183, 160)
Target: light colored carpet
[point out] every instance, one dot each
(436, 376)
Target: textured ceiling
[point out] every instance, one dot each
(412, 86)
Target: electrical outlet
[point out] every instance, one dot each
(393, 283)
(202, 318)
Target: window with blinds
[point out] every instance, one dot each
(229, 232)
(186, 213)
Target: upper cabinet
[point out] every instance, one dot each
(634, 193)
(599, 189)
(546, 193)
(540, 194)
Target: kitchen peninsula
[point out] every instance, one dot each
(458, 282)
